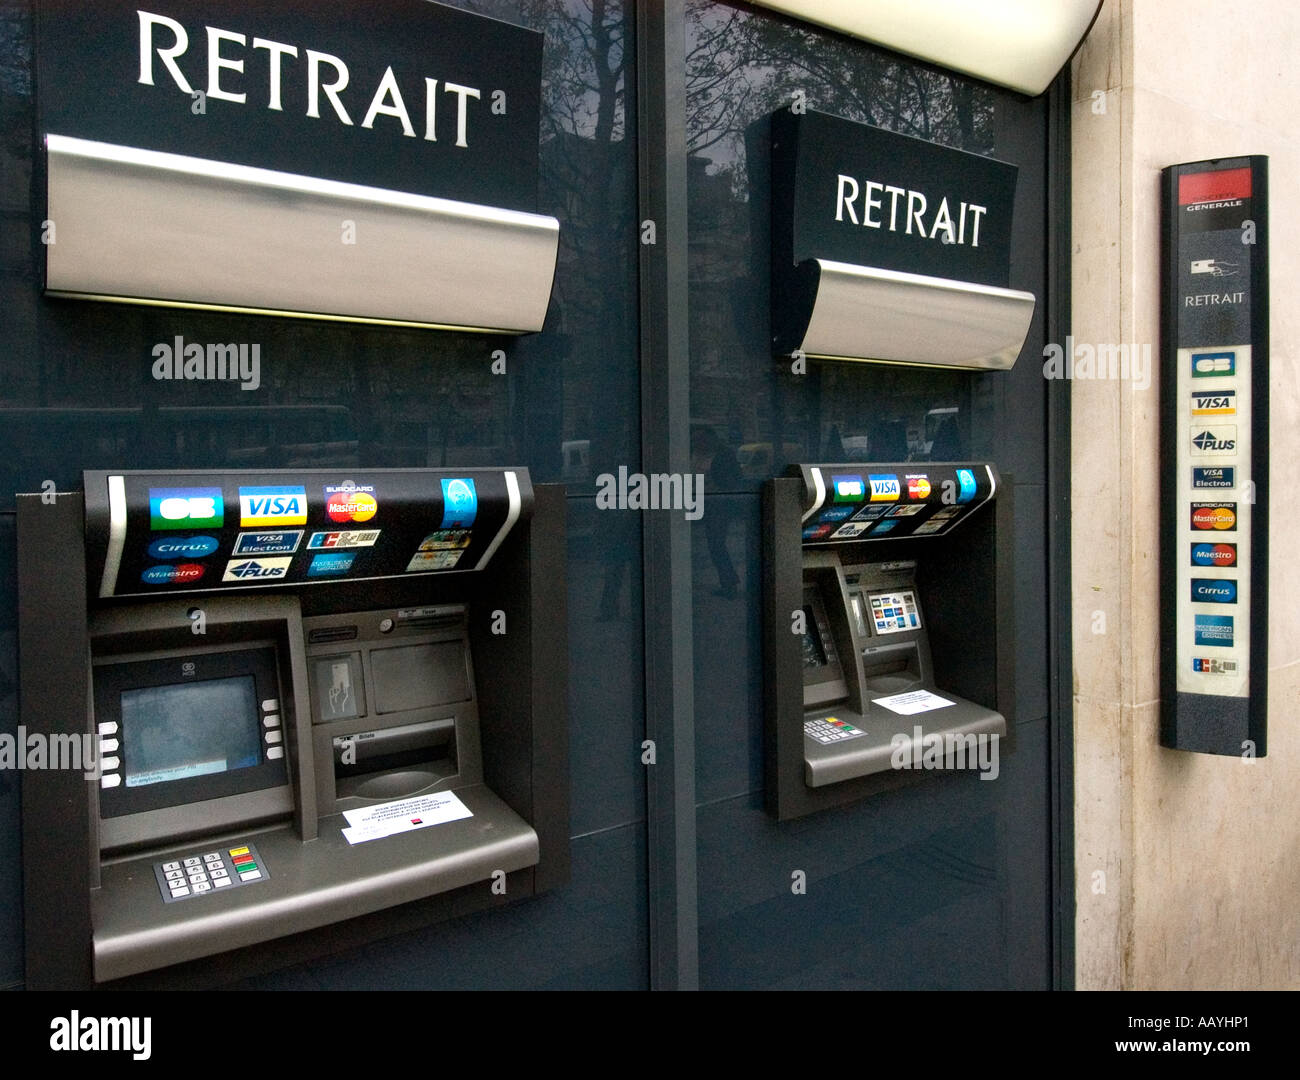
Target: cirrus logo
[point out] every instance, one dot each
(180, 574)
(183, 547)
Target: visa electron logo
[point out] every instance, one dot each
(918, 487)
(180, 574)
(884, 487)
(1213, 591)
(1214, 554)
(966, 479)
(348, 502)
(267, 543)
(848, 488)
(183, 547)
(256, 569)
(1209, 364)
(459, 504)
(185, 508)
(272, 506)
(1214, 476)
(1220, 440)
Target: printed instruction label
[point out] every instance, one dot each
(913, 702)
(404, 815)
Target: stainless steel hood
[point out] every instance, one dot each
(141, 226)
(868, 313)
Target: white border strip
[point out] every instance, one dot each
(819, 486)
(116, 534)
(512, 515)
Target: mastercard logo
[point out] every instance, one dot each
(918, 487)
(357, 506)
(1214, 517)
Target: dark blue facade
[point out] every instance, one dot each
(945, 883)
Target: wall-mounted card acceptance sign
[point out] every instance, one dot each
(1214, 457)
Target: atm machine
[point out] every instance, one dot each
(889, 633)
(317, 709)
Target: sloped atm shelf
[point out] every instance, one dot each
(156, 228)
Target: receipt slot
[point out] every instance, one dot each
(316, 709)
(889, 636)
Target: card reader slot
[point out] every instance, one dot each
(394, 762)
(892, 668)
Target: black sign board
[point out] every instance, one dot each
(1214, 457)
(858, 194)
(406, 95)
(150, 533)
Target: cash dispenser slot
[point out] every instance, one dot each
(906, 636)
(299, 736)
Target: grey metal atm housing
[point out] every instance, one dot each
(383, 689)
(961, 648)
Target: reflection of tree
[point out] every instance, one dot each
(741, 66)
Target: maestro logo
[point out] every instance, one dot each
(256, 569)
(884, 487)
(1221, 516)
(183, 547)
(848, 488)
(459, 504)
(272, 506)
(179, 574)
(1209, 364)
(185, 508)
(1213, 591)
(1214, 554)
(350, 502)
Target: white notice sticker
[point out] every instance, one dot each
(914, 701)
(386, 819)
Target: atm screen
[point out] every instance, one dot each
(189, 729)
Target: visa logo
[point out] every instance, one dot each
(884, 488)
(1214, 403)
(272, 506)
(1214, 476)
(1213, 363)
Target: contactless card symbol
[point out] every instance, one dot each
(329, 563)
(884, 487)
(350, 502)
(1214, 402)
(848, 488)
(1209, 364)
(1213, 630)
(966, 480)
(1213, 591)
(459, 504)
(272, 506)
(1214, 476)
(183, 547)
(1220, 516)
(1215, 440)
(185, 508)
(1214, 554)
(178, 574)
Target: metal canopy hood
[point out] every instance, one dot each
(869, 313)
(1021, 44)
(141, 226)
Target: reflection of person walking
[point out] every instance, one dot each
(721, 476)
